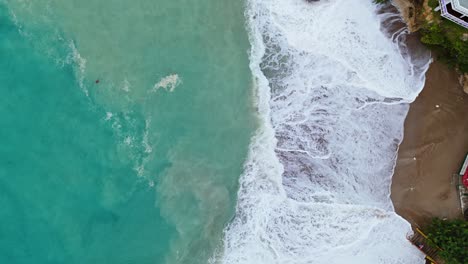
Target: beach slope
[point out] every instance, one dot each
(434, 145)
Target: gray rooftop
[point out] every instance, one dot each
(461, 6)
(455, 11)
(464, 3)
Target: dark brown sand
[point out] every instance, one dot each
(434, 145)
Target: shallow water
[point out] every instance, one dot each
(124, 129)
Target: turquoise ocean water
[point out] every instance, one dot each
(124, 126)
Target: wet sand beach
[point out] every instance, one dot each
(434, 145)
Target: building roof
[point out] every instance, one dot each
(456, 11)
(461, 6)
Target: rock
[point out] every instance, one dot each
(464, 37)
(464, 82)
(407, 11)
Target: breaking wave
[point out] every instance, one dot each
(333, 79)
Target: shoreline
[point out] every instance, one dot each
(433, 147)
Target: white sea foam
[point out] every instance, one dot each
(108, 116)
(75, 58)
(330, 89)
(168, 83)
(126, 86)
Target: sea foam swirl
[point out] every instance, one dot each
(332, 91)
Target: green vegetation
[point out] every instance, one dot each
(448, 39)
(452, 237)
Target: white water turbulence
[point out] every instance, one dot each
(333, 90)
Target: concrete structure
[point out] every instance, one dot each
(455, 11)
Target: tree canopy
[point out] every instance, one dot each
(452, 237)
